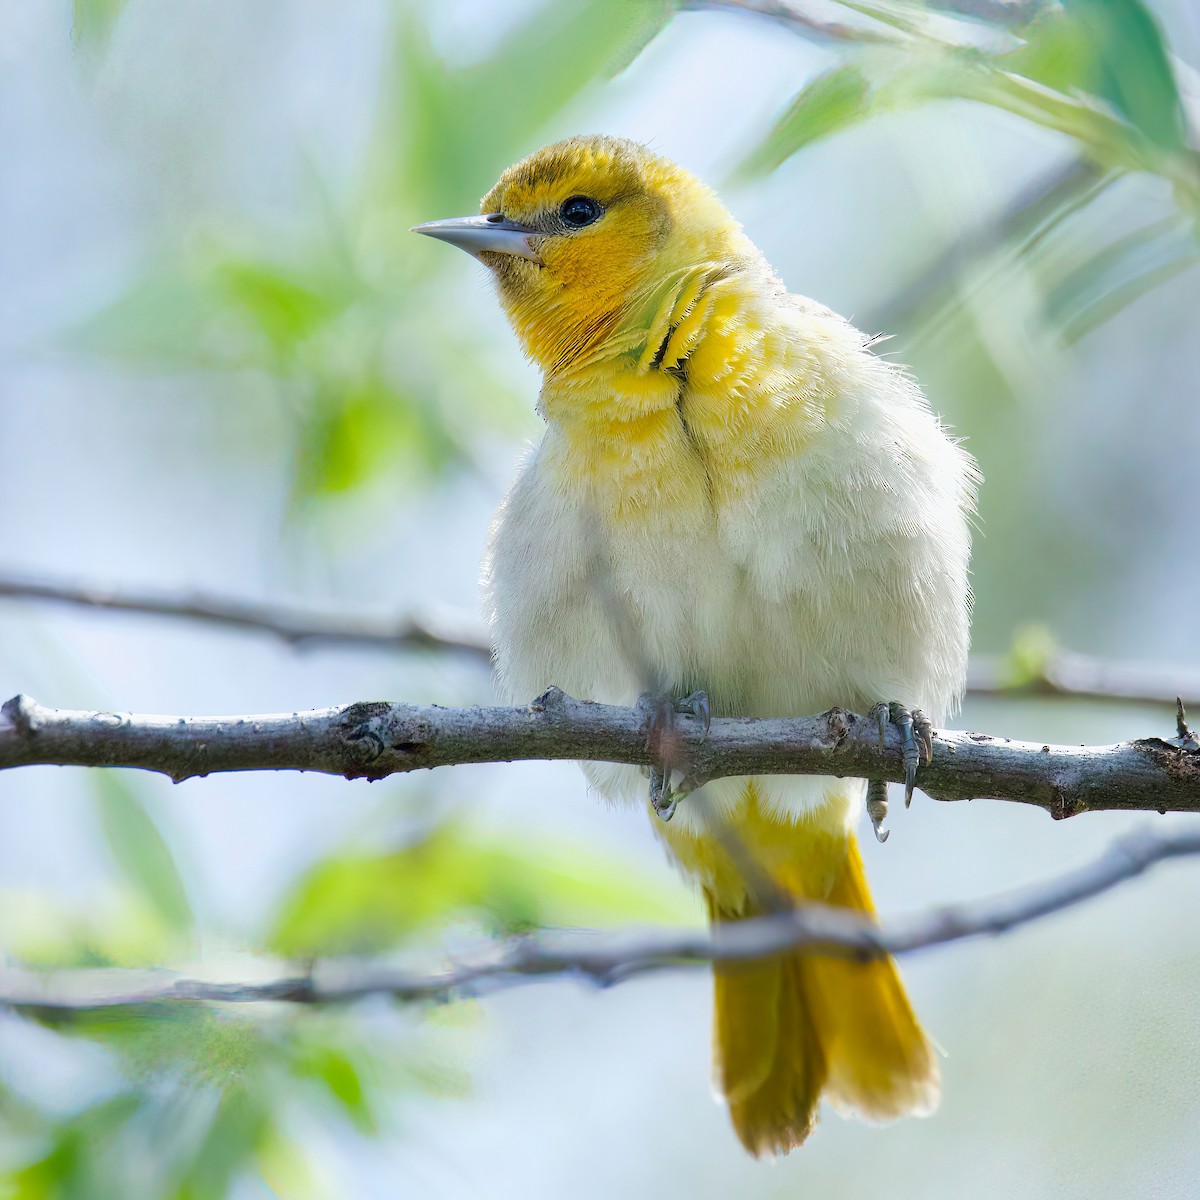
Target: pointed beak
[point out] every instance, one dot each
(494, 233)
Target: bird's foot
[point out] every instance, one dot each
(663, 740)
(916, 741)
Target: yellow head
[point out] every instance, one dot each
(583, 236)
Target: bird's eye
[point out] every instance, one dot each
(579, 211)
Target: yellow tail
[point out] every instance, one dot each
(794, 1027)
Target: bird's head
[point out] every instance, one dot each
(583, 236)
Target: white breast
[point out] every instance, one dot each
(841, 581)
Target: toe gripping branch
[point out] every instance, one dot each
(916, 745)
(663, 740)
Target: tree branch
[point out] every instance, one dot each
(1001, 14)
(1008, 14)
(373, 740)
(607, 959)
(798, 21)
(1062, 674)
(293, 626)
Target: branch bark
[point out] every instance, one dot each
(606, 959)
(373, 740)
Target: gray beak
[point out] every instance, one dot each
(493, 232)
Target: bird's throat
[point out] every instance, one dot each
(621, 440)
(693, 400)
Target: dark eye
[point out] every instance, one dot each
(579, 211)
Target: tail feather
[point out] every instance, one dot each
(797, 1025)
(882, 1066)
(770, 1064)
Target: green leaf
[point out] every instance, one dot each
(92, 22)
(68, 1170)
(140, 851)
(1072, 76)
(240, 1124)
(1135, 73)
(1112, 50)
(336, 1070)
(356, 431)
(1029, 657)
(198, 1110)
(363, 903)
(833, 101)
(1119, 273)
(284, 306)
(875, 81)
(445, 132)
(219, 308)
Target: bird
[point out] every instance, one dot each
(737, 508)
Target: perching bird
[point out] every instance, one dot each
(735, 497)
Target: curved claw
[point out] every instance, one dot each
(882, 714)
(663, 799)
(923, 729)
(877, 808)
(918, 748)
(697, 704)
(902, 719)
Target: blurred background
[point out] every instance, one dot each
(226, 367)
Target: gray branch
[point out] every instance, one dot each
(606, 959)
(294, 626)
(792, 14)
(1007, 14)
(795, 18)
(373, 740)
(1062, 674)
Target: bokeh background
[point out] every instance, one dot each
(225, 366)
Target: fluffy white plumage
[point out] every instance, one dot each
(838, 577)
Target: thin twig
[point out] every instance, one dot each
(796, 19)
(1081, 677)
(1006, 15)
(373, 740)
(294, 626)
(1063, 674)
(607, 959)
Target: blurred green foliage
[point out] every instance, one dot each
(338, 318)
(1095, 71)
(197, 1095)
(363, 903)
(345, 319)
(202, 1097)
(141, 853)
(93, 21)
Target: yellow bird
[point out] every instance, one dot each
(738, 505)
